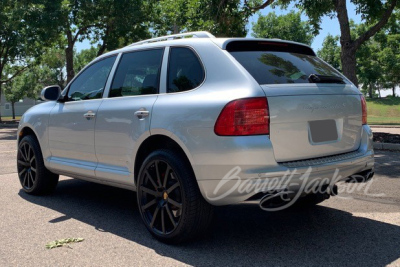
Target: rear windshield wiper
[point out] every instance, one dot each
(316, 78)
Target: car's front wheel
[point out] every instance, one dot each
(169, 200)
(34, 177)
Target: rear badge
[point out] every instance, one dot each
(312, 108)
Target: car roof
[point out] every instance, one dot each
(182, 40)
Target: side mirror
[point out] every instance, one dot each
(51, 93)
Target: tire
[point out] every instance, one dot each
(34, 177)
(173, 209)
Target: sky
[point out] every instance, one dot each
(328, 25)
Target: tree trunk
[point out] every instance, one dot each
(349, 62)
(69, 55)
(394, 91)
(176, 29)
(102, 49)
(370, 91)
(13, 110)
(350, 46)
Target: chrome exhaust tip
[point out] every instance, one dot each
(361, 177)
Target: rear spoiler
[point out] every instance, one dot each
(269, 45)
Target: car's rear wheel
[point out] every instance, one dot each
(169, 199)
(33, 175)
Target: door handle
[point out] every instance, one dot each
(89, 115)
(142, 113)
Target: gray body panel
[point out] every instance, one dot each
(103, 149)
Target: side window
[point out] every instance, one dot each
(90, 83)
(138, 73)
(185, 71)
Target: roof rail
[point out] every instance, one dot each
(201, 34)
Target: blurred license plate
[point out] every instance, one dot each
(323, 131)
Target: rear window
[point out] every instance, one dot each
(280, 66)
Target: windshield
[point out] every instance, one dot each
(283, 67)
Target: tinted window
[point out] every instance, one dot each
(185, 71)
(282, 67)
(138, 73)
(90, 83)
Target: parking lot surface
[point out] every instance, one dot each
(351, 230)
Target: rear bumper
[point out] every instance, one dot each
(235, 183)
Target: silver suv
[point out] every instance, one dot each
(191, 121)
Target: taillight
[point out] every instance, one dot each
(364, 110)
(248, 116)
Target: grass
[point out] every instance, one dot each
(384, 111)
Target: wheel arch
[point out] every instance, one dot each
(154, 142)
(25, 131)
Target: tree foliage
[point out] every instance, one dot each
(24, 32)
(111, 23)
(378, 59)
(222, 18)
(389, 53)
(375, 14)
(24, 85)
(84, 57)
(52, 65)
(286, 27)
(330, 51)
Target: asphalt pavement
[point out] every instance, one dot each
(355, 229)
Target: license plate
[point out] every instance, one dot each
(323, 131)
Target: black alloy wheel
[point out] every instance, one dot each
(34, 177)
(169, 199)
(161, 197)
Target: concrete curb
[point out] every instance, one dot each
(386, 146)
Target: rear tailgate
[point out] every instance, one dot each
(314, 110)
(313, 125)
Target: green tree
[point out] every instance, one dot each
(52, 67)
(107, 22)
(330, 51)
(378, 59)
(389, 52)
(220, 17)
(375, 13)
(25, 85)
(84, 57)
(390, 58)
(369, 63)
(369, 69)
(286, 27)
(25, 30)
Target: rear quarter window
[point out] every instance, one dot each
(185, 72)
